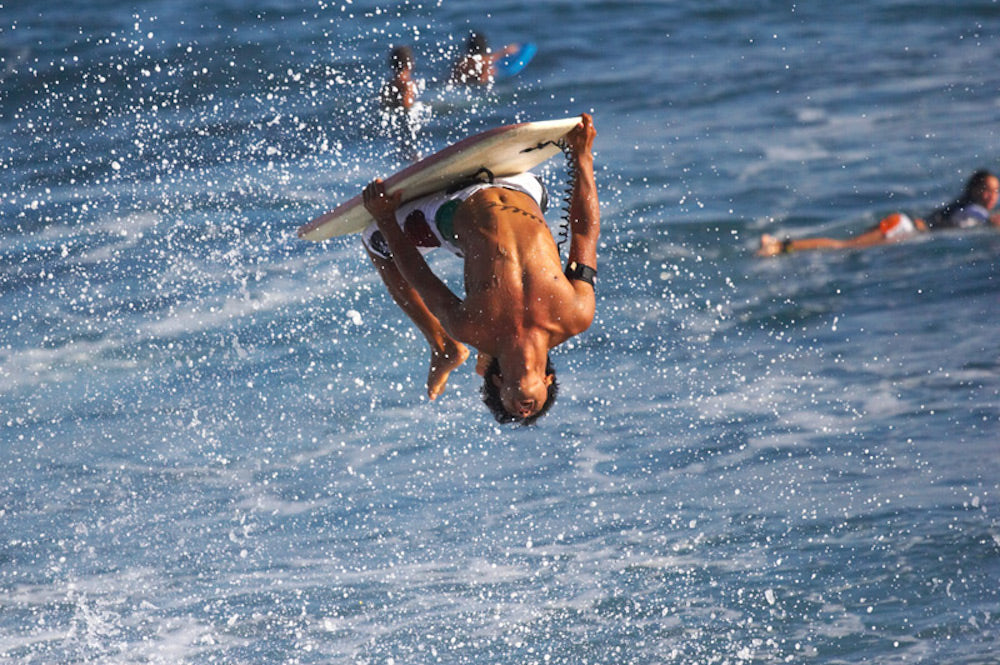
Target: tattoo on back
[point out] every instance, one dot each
(514, 209)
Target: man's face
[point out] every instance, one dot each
(526, 397)
(991, 193)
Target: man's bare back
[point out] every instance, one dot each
(514, 281)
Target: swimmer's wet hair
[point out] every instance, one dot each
(476, 44)
(401, 58)
(976, 184)
(491, 395)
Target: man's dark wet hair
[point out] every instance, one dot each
(476, 44)
(401, 58)
(976, 185)
(491, 395)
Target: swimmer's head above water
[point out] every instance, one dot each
(401, 59)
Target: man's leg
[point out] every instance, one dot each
(446, 353)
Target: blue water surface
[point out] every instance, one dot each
(215, 443)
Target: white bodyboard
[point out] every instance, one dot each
(504, 151)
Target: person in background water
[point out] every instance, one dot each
(398, 102)
(477, 66)
(399, 92)
(519, 301)
(971, 209)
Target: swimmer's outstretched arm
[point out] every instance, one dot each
(497, 56)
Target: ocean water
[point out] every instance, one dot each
(214, 441)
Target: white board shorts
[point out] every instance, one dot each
(895, 225)
(427, 221)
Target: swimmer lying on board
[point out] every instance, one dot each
(969, 210)
(519, 302)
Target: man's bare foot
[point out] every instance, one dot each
(769, 246)
(443, 361)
